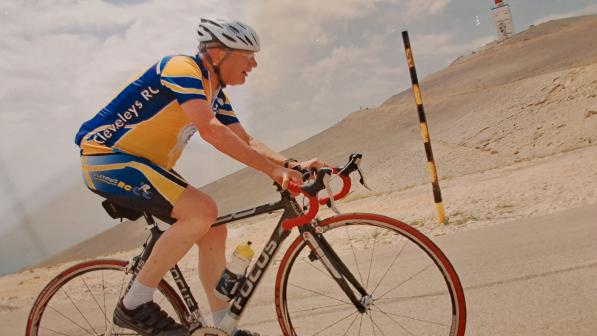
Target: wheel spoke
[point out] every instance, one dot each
(94, 299)
(104, 296)
(412, 297)
(360, 324)
(68, 319)
(54, 331)
(353, 253)
(389, 267)
(379, 310)
(376, 325)
(375, 235)
(80, 312)
(396, 322)
(372, 324)
(405, 281)
(322, 294)
(310, 309)
(311, 263)
(350, 325)
(336, 322)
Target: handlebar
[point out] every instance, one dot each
(311, 189)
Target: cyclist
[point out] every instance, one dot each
(129, 148)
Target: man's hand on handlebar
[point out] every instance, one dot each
(308, 165)
(321, 182)
(283, 176)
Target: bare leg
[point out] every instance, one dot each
(195, 212)
(212, 261)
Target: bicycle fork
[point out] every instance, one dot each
(321, 250)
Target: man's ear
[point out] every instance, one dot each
(216, 55)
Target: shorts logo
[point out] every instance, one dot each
(105, 179)
(142, 190)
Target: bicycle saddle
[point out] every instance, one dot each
(118, 211)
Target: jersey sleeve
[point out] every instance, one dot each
(181, 75)
(225, 113)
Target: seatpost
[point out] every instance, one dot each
(156, 233)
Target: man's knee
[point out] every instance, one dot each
(196, 207)
(215, 236)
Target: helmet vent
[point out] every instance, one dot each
(235, 30)
(215, 23)
(243, 38)
(230, 38)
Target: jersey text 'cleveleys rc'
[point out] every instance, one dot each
(145, 118)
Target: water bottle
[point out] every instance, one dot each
(231, 279)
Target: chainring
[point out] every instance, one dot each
(208, 331)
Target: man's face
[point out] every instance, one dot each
(236, 66)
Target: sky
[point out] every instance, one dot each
(61, 61)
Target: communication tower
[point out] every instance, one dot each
(502, 18)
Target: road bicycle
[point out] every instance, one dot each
(349, 274)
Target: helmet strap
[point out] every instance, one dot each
(216, 67)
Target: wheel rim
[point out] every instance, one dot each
(411, 293)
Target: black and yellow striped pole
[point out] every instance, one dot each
(437, 194)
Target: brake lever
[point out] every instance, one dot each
(332, 204)
(362, 179)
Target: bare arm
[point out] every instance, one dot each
(228, 142)
(257, 145)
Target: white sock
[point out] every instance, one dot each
(218, 316)
(137, 295)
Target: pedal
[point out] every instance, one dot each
(208, 331)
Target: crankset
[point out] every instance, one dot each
(208, 331)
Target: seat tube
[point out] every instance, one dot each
(187, 296)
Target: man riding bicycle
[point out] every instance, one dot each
(129, 148)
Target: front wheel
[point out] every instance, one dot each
(412, 289)
(81, 300)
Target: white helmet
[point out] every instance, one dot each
(232, 34)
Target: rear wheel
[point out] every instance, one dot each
(412, 287)
(81, 300)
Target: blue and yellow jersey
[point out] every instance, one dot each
(145, 118)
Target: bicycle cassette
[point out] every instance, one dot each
(208, 331)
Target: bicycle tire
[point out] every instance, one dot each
(84, 296)
(310, 303)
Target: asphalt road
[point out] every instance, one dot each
(530, 277)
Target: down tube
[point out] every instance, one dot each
(256, 273)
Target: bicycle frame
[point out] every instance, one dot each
(313, 244)
(319, 247)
